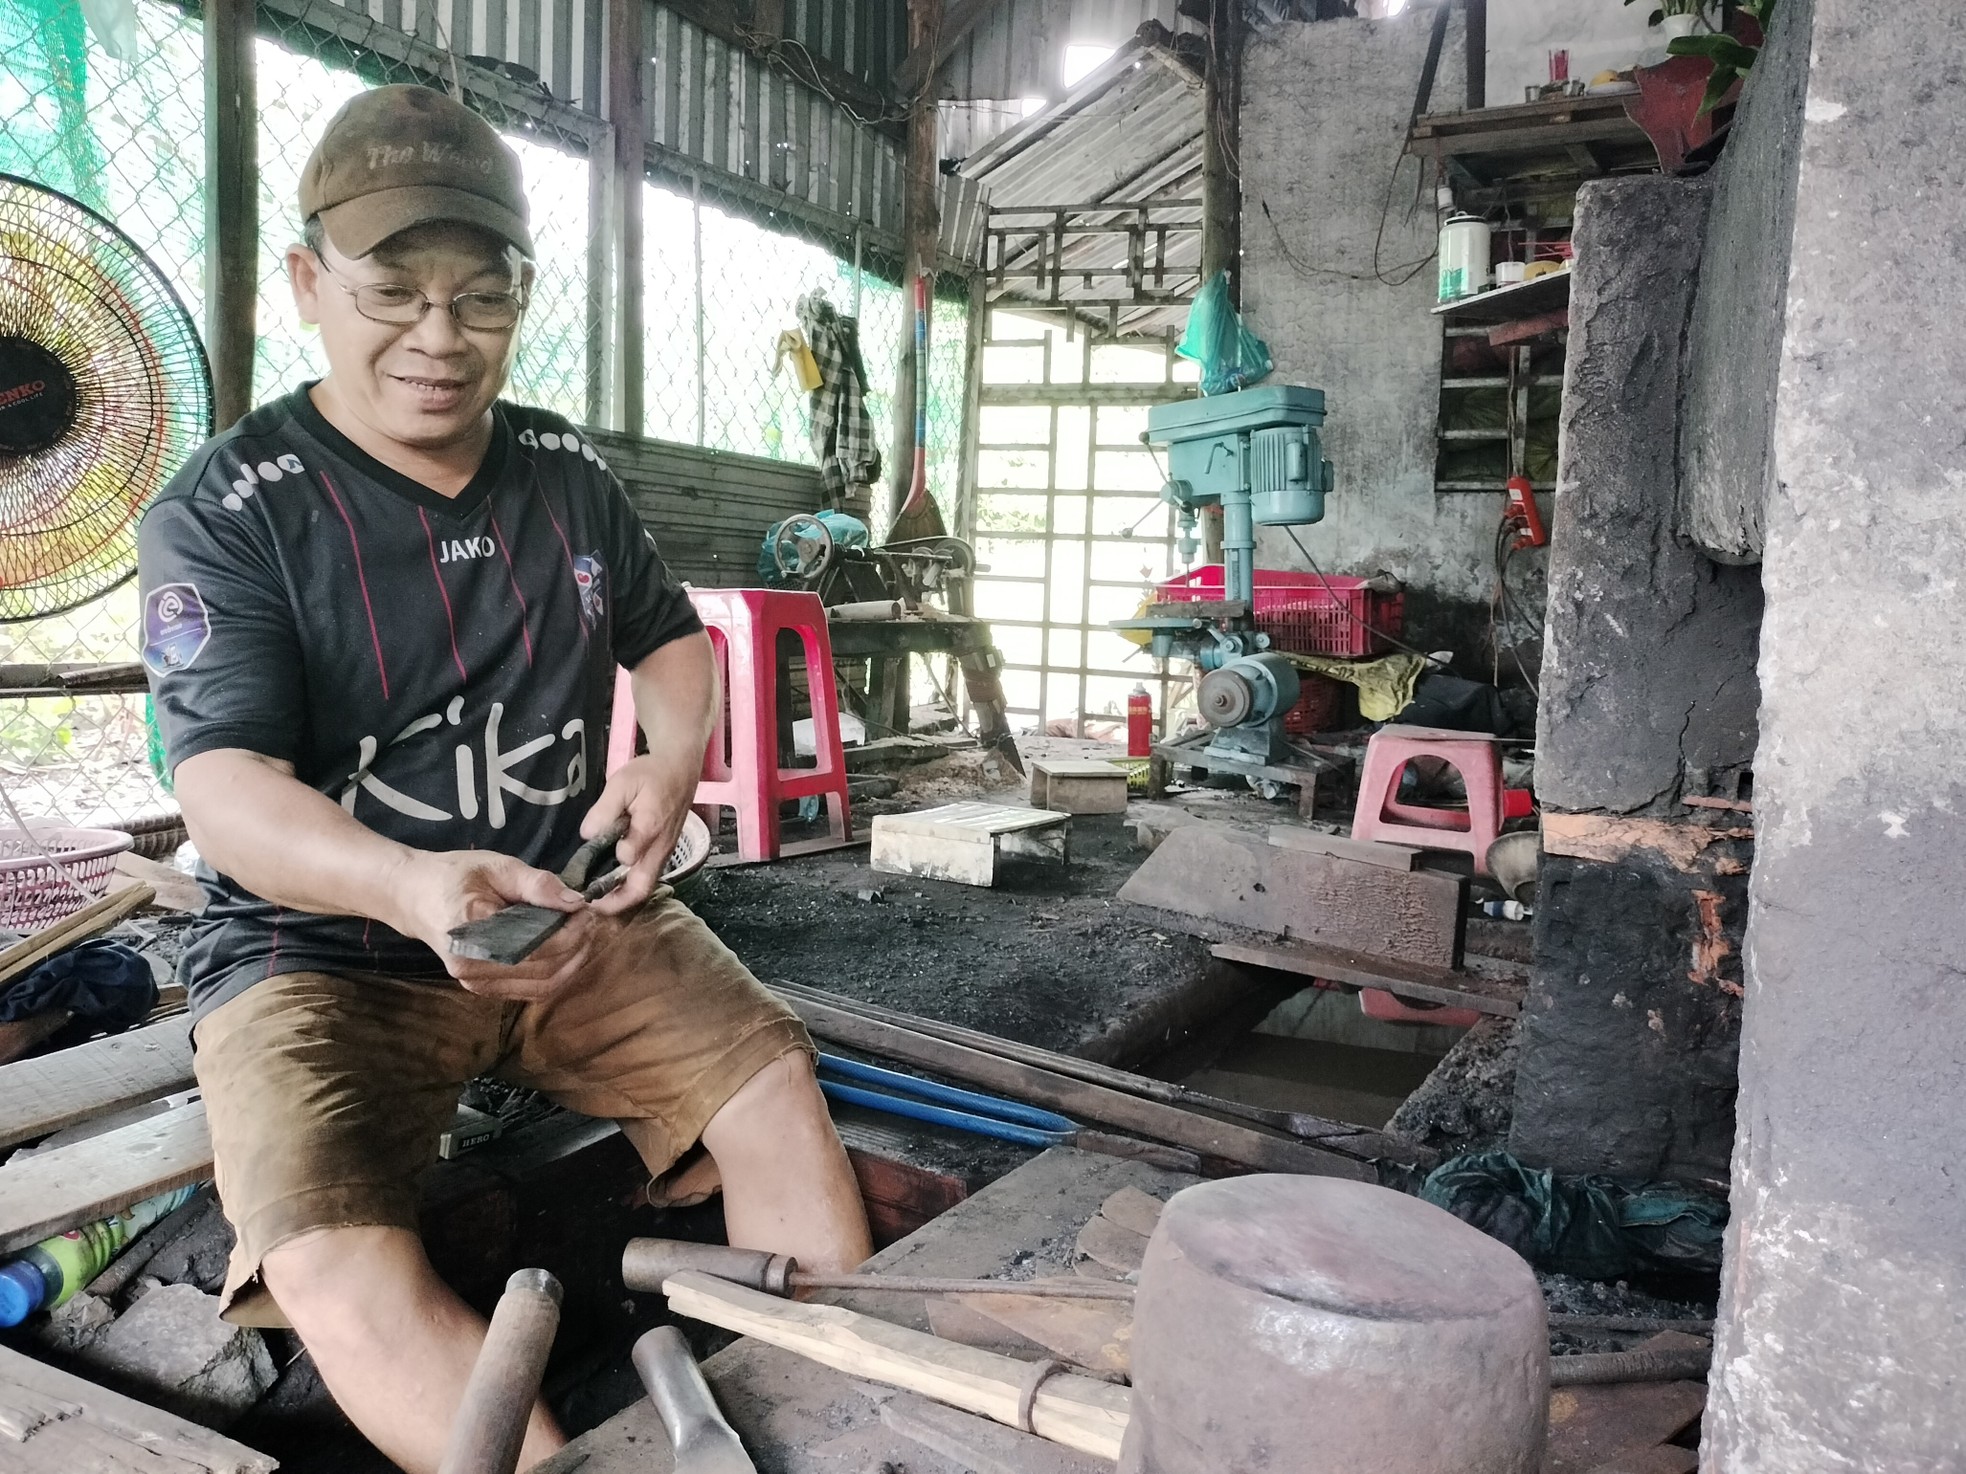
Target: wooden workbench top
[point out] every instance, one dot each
(796, 1417)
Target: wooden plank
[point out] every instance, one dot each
(1075, 787)
(73, 1185)
(175, 891)
(970, 861)
(44, 1095)
(1453, 989)
(1590, 1426)
(1078, 1412)
(1611, 838)
(1221, 1140)
(153, 1439)
(98, 916)
(1365, 851)
(1239, 879)
(973, 821)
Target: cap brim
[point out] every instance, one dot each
(359, 225)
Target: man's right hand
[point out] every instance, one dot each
(441, 890)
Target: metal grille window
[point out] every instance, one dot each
(1069, 521)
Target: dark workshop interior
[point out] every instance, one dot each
(1268, 688)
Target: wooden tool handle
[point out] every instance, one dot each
(498, 1400)
(1079, 1412)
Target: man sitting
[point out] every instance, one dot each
(383, 618)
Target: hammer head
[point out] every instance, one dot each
(703, 1441)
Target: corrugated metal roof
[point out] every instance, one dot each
(1128, 134)
(1017, 50)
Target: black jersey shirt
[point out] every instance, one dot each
(441, 667)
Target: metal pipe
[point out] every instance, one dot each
(490, 1427)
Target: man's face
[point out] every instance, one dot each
(425, 384)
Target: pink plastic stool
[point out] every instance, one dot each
(1378, 1003)
(741, 769)
(1380, 814)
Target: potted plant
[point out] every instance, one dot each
(1676, 18)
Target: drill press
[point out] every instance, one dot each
(1257, 454)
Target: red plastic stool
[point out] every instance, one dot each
(1380, 814)
(741, 769)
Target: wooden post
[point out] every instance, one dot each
(921, 229)
(1221, 184)
(626, 69)
(231, 206)
(601, 231)
(1477, 54)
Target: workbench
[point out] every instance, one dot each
(797, 1417)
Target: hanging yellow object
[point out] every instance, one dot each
(805, 368)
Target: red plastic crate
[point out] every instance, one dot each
(1299, 613)
(1317, 707)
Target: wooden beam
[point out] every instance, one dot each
(801, 65)
(73, 1185)
(43, 1095)
(1221, 190)
(926, 57)
(627, 69)
(1231, 878)
(1476, 57)
(56, 1423)
(1223, 1141)
(231, 206)
(1356, 970)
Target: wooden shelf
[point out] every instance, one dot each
(1500, 381)
(1494, 486)
(1517, 300)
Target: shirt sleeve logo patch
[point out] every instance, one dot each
(589, 576)
(176, 628)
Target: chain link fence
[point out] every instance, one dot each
(120, 126)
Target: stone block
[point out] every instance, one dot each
(172, 1350)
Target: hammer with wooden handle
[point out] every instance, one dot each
(704, 1442)
(490, 1426)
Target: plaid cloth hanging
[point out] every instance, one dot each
(842, 433)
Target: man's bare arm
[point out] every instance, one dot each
(252, 820)
(677, 697)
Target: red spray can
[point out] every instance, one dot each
(1139, 723)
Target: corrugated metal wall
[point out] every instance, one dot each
(560, 40)
(752, 130)
(715, 104)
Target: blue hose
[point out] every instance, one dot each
(986, 1115)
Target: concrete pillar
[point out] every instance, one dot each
(1648, 698)
(1843, 1315)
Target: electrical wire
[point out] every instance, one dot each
(1350, 614)
(1505, 551)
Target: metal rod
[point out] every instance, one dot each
(1633, 1323)
(1631, 1366)
(905, 1284)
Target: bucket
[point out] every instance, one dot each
(1464, 268)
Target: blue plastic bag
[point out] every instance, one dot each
(1230, 355)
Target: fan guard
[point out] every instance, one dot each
(104, 390)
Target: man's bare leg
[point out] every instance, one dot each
(392, 1341)
(787, 1184)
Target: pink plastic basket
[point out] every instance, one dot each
(1300, 614)
(35, 893)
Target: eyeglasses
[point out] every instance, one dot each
(401, 306)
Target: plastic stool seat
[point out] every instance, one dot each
(741, 769)
(1380, 814)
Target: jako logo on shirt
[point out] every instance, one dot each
(250, 477)
(462, 550)
(588, 576)
(176, 627)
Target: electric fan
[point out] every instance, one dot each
(104, 390)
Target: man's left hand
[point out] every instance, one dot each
(654, 794)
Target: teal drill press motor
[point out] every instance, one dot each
(1256, 454)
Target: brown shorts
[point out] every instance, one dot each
(327, 1093)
